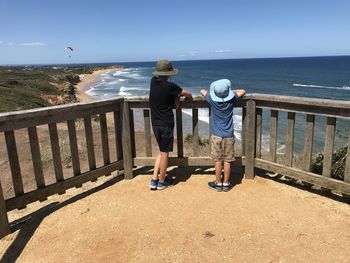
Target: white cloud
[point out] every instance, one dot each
(37, 44)
(223, 51)
(1, 42)
(189, 54)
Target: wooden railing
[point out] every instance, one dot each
(330, 109)
(121, 113)
(52, 117)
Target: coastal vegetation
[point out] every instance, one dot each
(27, 87)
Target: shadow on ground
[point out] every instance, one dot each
(303, 186)
(28, 224)
(183, 173)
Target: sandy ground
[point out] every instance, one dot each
(116, 220)
(259, 220)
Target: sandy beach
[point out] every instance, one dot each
(87, 79)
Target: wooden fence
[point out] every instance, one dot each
(122, 109)
(52, 116)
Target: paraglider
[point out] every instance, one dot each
(68, 49)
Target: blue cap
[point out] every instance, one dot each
(220, 90)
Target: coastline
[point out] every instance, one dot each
(87, 79)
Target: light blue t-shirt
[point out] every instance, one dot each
(221, 116)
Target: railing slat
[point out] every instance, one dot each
(273, 135)
(56, 154)
(347, 165)
(290, 139)
(132, 133)
(179, 133)
(258, 132)
(308, 143)
(118, 134)
(244, 128)
(90, 143)
(250, 140)
(14, 163)
(147, 126)
(4, 221)
(36, 158)
(74, 147)
(195, 135)
(127, 148)
(328, 147)
(104, 139)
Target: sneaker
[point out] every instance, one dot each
(153, 184)
(162, 186)
(215, 186)
(226, 187)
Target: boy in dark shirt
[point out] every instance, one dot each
(162, 97)
(222, 99)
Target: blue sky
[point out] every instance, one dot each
(36, 31)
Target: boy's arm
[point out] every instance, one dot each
(240, 92)
(203, 92)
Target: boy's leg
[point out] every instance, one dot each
(229, 156)
(227, 172)
(218, 171)
(156, 167)
(163, 165)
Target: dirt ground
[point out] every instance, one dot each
(116, 220)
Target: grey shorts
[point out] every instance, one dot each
(222, 149)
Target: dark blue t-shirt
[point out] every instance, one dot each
(221, 116)
(162, 96)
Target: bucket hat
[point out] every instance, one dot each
(220, 90)
(165, 68)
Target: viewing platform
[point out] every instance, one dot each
(78, 161)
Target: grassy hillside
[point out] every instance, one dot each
(32, 87)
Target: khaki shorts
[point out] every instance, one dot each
(222, 149)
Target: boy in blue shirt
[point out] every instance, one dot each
(222, 99)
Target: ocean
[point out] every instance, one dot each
(316, 77)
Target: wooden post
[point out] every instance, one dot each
(104, 139)
(118, 134)
(258, 132)
(250, 140)
(148, 137)
(290, 139)
(195, 135)
(273, 135)
(89, 143)
(328, 147)
(308, 143)
(244, 128)
(72, 134)
(36, 159)
(347, 164)
(14, 163)
(179, 133)
(132, 133)
(4, 222)
(56, 154)
(127, 150)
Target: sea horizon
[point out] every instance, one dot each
(173, 60)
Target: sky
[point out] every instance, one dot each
(37, 31)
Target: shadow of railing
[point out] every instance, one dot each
(28, 224)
